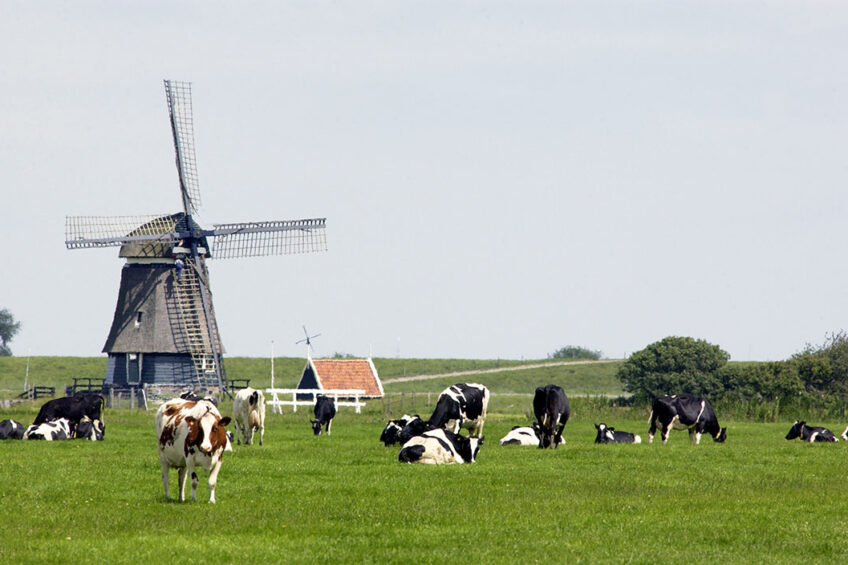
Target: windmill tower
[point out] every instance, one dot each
(164, 330)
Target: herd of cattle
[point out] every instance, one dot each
(192, 433)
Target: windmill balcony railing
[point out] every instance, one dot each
(342, 397)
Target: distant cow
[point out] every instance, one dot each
(685, 412)
(462, 405)
(440, 446)
(611, 435)
(190, 395)
(811, 433)
(249, 415)
(325, 411)
(71, 408)
(552, 411)
(49, 431)
(10, 429)
(391, 433)
(191, 433)
(92, 430)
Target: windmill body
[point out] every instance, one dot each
(164, 330)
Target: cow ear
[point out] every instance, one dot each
(225, 421)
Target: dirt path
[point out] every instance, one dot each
(497, 370)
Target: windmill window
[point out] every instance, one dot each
(138, 318)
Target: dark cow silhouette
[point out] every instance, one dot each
(325, 410)
(71, 408)
(685, 412)
(552, 411)
(611, 435)
(810, 434)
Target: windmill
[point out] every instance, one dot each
(308, 341)
(164, 329)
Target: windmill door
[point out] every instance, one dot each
(134, 368)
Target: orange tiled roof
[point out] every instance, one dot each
(348, 374)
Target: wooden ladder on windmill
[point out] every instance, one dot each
(193, 320)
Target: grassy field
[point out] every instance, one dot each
(346, 499)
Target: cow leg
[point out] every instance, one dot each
(190, 470)
(261, 433)
(239, 433)
(653, 429)
(664, 433)
(165, 478)
(697, 438)
(248, 434)
(329, 423)
(181, 480)
(213, 480)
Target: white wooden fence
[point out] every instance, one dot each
(277, 404)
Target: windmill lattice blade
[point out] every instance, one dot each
(178, 95)
(253, 239)
(106, 231)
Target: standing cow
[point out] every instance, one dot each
(325, 411)
(249, 415)
(685, 412)
(552, 411)
(191, 433)
(462, 405)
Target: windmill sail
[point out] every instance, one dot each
(178, 95)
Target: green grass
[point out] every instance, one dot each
(345, 498)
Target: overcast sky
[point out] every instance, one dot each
(499, 179)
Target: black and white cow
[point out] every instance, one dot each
(552, 411)
(325, 410)
(521, 435)
(685, 412)
(611, 435)
(10, 429)
(71, 408)
(89, 429)
(439, 446)
(391, 433)
(190, 395)
(810, 434)
(462, 405)
(415, 427)
(49, 431)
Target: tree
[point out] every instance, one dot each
(824, 369)
(574, 352)
(673, 365)
(8, 328)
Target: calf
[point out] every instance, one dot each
(611, 435)
(391, 433)
(10, 429)
(249, 414)
(440, 446)
(191, 433)
(92, 430)
(49, 431)
(811, 433)
(552, 410)
(462, 405)
(685, 412)
(325, 410)
(71, 408)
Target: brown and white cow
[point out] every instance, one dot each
(191, 433)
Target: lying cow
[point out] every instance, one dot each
(439, 446)
(521, 435)
(811, 434)
(611, 435)
(391, 433)
(89, 429)
(462, 405)
(325, 411)
(71, 408)
(10, 429)
(191, 434)
(685, 412)
(50, 431)
(415, 427)
(552, 410)
(249, 415)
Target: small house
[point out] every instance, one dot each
(342, 374)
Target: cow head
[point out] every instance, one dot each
(208, 433)
(316, 427)
(474, 444)
(795, 431)
(722, 435)
(605, 434)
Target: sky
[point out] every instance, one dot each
(500, 179)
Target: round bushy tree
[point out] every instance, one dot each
(673, 365)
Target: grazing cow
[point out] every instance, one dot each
(811, 433)
(462, 405)
(71, 408)
(49, 431)
(611, 435)
(10, 429)
(685, 412)
(89, 429)
(552, 410)
(440, 446)
(191, 433)
(391, 433)
(249, 415)
(325, 410)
